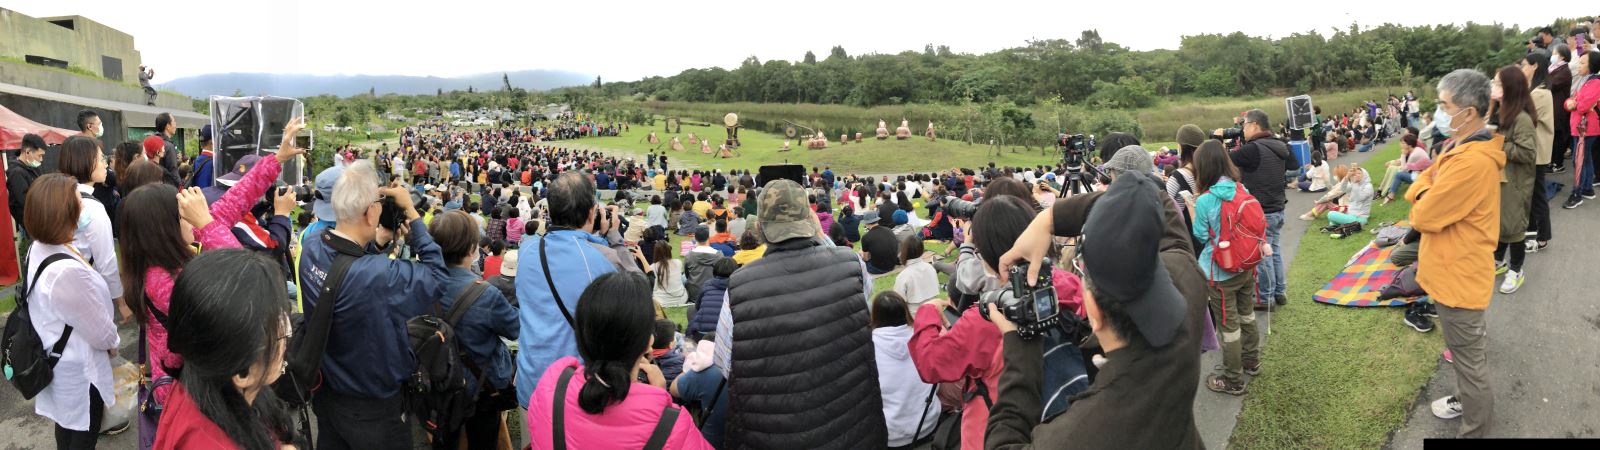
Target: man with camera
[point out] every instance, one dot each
(1145, 302)
(368, 356)
(1262, 161)
(803, 375)
(582, 244)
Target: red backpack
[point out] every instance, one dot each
(1241, 230)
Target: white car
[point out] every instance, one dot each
(330, 128)
(461, 123)
(349, 129)
(483, 121)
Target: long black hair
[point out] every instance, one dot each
(997, 224)
(614, 322)
(230, 318)
(153, 210)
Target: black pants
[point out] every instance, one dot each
(1558, 151)
(345, 422)
(1518, 254)
(1539, 216)
(75, 440)
(483, 428)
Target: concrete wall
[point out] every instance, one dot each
(49, 79)
(82, 46)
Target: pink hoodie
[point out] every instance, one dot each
(627, 424)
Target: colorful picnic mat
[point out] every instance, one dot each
(1359, 283)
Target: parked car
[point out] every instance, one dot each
(330, 128)
(483, 121)
(461, 123)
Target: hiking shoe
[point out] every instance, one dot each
(1513, 282)
(1218, 384)
(1281, 299)
(1573, 202)
(1429, 309)
(1252, 367)
(1500, 267)
(1418, 321)
(1447, 408)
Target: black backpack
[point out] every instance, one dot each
(26, 362)
(437, 394)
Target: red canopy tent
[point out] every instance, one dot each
(13, 127)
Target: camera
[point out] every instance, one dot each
(302, 193)
(1229, 134)
(1073, 147)
(957, 208)
(1033, 309)
(393, 215)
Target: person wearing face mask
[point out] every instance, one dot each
(1458, 216)
(1585, 126)
(89, 124)
(24, 168)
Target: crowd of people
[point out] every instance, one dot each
(546, 272)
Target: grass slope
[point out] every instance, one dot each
(871, 156)
(1335, 377)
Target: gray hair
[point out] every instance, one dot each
(1466, 87)
(355, 191)
(1259, 118)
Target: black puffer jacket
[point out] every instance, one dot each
(803, 369)
(1262, 163)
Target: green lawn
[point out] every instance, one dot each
(871, 156)
(1335, 377)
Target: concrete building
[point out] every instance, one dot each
(75, 41)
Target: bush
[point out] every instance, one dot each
(1216, 82)
(1103, 122)
(1127, 92)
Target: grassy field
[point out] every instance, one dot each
(1336, 377)
(871, 156)
(1161, 122)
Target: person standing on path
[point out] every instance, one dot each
(1262, 161)
(1458, 216)
(1514, 106)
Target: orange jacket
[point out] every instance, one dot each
(1456, 207)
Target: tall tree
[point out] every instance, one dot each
(811, 58)
(506, 78)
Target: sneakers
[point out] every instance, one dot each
(1218, 384)
(1573, 202)
(1252, 367)
(1500, 267)
(1447, 408)
(1513, 282)
(1558, 169)
(1418, 320)
(1281, 299)
(1429, 309)
(1589, 195)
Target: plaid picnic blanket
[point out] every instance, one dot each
(1360, 281)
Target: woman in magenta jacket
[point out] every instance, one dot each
(602, 405)
(1585, 126)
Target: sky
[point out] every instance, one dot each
(630, 39)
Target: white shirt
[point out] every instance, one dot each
(95, 243)
(71, 292)
(918, 283)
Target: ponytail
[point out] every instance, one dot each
(605, 382)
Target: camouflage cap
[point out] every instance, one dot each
(784, 212)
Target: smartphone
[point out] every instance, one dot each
(792, 172)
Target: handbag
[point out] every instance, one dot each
(1404, 284)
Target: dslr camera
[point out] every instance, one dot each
(393, 215)
(1033, 309)
(1073, 147)
(957, 208)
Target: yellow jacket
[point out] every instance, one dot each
(1456, 207)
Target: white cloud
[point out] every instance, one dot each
(625, 40)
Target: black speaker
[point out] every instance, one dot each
(1300, 116)
(251, 126)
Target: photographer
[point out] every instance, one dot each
(555, 267)
(1142, 284)
(1262, 161)
(368, 357)
(968, 350)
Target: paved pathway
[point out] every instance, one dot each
(1543, 364)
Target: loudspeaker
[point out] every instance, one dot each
(1300, 116)
(252, 125)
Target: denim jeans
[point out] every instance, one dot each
(1404, 176)
(1270, 279)
(1581, 160)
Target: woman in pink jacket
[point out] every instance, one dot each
(602, 405)
(169, 223)
(1585, 126)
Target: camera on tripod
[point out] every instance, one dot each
(1033, 309)
(1073, 147)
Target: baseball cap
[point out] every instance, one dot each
(508, 264)
(871, 216)
(784, 212)
(205, 133)
(1131, 159)
(323, 206)
(239, 169)
(31, 140)
(1122, 258)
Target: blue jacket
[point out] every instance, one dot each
(576, 259)
(368, 352)
(705, 317)
(1206, 208)
(671, 365)
(203, 172)
(480, 329)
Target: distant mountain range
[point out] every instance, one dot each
(202, 86)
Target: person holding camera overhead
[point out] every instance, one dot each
(359, 403)
(169, 223)
(1139, 281)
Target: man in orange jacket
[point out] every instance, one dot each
(1458, 214)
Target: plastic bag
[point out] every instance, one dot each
(120, 414)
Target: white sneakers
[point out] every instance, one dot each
(1512, 282)
(1447, 408)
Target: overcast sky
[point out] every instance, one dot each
(630, 39)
